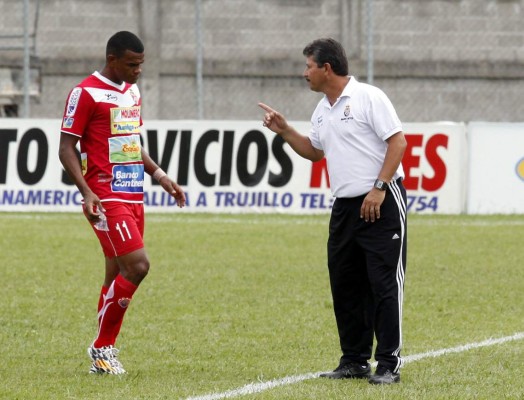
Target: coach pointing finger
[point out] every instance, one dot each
(357, 129)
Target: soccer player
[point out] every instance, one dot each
(103, 113)
(357, 129)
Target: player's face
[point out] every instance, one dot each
(128, 67)
(314, 74)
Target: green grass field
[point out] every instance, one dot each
(233, 300)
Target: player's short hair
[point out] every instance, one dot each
(122, 41)
(327, 50)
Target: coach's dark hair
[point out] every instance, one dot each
(122, 41)
(328, 51)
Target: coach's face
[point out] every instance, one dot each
(314, 75)
(128, 67)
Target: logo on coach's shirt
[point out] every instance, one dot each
(347, 113)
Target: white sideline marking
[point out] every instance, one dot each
(266, 219)
(252, 388)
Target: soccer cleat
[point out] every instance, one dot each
(352, 370)
(384, 376)
(105, 361)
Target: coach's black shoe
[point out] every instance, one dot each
(352, 370)
(384, 376)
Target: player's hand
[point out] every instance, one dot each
(93, 206)
(370, 209)
(273, 120)
(174, 190)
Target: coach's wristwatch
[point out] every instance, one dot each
(380, 185)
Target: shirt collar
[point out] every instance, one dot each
(348, 90)
(350, 87)
(109, 82)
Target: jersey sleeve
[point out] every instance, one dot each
(78, 110)
(314, 138)
(384, 117)
(314, 132)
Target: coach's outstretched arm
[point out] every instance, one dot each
(298, 142)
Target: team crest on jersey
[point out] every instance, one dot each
(347, 110)
(133, 96)
(125, 120)
(72, 103)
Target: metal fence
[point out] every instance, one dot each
(456, 60)
(18, 37)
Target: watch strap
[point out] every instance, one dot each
(380, 185)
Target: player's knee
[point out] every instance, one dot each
(141, 269)
(136, 271)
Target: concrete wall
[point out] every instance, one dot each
(459, 60)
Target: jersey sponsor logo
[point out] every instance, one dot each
(104, 178)
(124, 149)
(125, 114)
(128, 178)
(125, 120)
(68, 122)
(72, 103)
(125, 128)
(83, 158)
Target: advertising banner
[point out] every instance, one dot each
(496, 168)
(226, 166)
(435, 164)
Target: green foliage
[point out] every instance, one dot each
(238, 299)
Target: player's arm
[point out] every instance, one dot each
(298, 142)
(170, 186)
(69, 158)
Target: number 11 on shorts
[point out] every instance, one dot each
(121, 230)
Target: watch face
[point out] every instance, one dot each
(381, 185)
